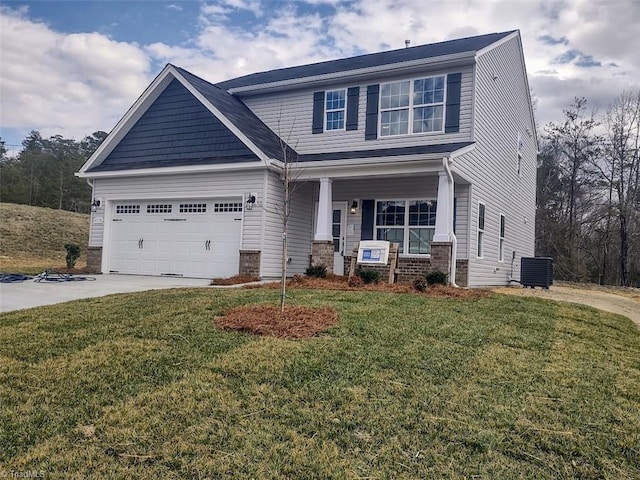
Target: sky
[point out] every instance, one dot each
(74, 67)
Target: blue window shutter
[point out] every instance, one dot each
(353, 99)
(367, 220)
(371, 125)
(452, 125)
(318, 113)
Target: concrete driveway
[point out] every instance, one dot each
(16, 296)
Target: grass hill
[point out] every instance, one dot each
(33, 238)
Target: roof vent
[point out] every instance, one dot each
(407, 43)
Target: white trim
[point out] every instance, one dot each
(446, 61)
(406, 227)
(142, 104)
(173, 170)
(410, 108)
(480, 251)
(343, 109)
(497, 43)
(501, 239)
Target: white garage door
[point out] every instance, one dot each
(191, 238)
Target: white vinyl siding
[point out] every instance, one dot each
(300, 228)
(501, 111)
(410, 187)
(202, 185)
(291, 114)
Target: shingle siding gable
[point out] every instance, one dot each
(176, 130)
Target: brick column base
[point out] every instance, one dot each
(441, 257)
(322, 254)
(250, 263)
(462, 273)
(94, 259)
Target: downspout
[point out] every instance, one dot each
(454, 239)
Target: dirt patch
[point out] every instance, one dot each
(337, 282)
(629, 306)
(295, 322)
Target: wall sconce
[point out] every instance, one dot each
(354, 207)
(94, 205)
(251, 200)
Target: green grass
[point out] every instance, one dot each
(144, 386)
(32, 239)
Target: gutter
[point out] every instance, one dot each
(454, 239)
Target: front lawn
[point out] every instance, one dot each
(404, 386)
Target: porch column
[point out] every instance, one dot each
(325, 211)
(444, 210)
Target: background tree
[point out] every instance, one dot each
(42, 174)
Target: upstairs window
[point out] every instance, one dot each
(417, 103)
(501, 244)
(335, 109)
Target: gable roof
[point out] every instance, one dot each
(469, 45)
(224, 107)
(240, 115)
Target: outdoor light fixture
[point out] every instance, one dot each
(251, 200)
(94, 205)
(354, 207)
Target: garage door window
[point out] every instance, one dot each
(227, 207)
(126, 209)
(193, 208)
(160, 208)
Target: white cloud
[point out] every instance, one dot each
(78, 83)
(65, 84)
(173, 6)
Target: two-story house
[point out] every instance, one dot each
(432, 147)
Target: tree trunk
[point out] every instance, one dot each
(624, 251)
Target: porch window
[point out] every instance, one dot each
(418, 103)
(411, 223)
(335, 109)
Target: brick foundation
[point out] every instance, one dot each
(462, 273)
(409, 269)
(250, 263)
(441, 256)
(322, 254)
(94, 259)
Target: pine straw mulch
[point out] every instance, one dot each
(303, 322)
(337, 282)
(264, 319)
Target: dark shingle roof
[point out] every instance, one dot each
(450, 47)
(440, 148)
(240, 115)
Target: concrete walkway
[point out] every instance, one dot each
(17, 296)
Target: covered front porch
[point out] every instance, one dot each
(425, 211)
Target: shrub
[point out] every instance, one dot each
(436, 277)
(368, 276)
(73, 252)
(420, 284)
(319, 271)
(355, 281)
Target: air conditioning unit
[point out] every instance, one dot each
(536, 272)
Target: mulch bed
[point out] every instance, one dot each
(337, 282)
(303, 322)
(263, 319)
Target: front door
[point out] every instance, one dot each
(338, 228)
